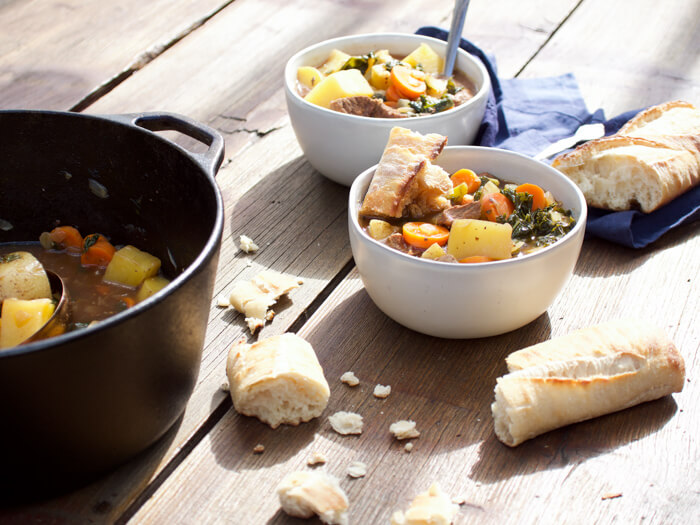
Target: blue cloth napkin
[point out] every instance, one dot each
(527, 115)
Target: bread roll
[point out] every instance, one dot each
(278, 380)
(652, 159)
(432, 507)
(588, 373)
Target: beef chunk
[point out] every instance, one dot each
(471, 210)
(395, 241)
(365, 107)
(462, 96)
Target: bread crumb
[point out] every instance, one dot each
(408, 446)
(303, 494)
(350, 379)
(316, 459)
(357, 469)
(404, 429)
(382, 391)
(431, 507)
(346, 423)
(247, 245)
(222, 301)
(225, 387)
(259, 448)
(611, 495)
(254, 298)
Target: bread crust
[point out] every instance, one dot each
(654, 158)
(585, 374)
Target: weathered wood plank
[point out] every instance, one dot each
(447, 387)
(55, 53)
(627, 54)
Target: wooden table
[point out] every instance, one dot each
(221, 62)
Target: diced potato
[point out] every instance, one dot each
(23, 277)
(131, 266)
(309, 76)
(427, 58)
(383, 56)
(151, 286)
(436, 87)
(379, 76)
(334, 62)
(23, 318)
(379, 229)
(348, 83)
(434, 252)
(488, 188)
(476, 237)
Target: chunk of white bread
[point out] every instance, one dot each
(303, 494)
(652, 159)
(405, 180)
(278, 380)
(254, 298)
(432, 507)
(582, 375)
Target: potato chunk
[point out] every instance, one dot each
(23, 277)
(334, 62)
(379, 229)
(435, 251)
(476, 237)
(131, 266)
(379, 76)
(429, 60)
(23, 318)
(347, 83)
(151, 286)
(309, 76)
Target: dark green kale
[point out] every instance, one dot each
(428, 104)
(358, 62)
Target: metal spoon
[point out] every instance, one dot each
(583, 133)
(458, 15)
(57, 323)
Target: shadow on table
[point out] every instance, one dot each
(573, 444)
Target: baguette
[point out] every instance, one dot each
(585, 374)
(278, 380)
(654, 158)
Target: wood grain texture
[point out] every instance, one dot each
(628, 54)
(55, 53)
(227, 73)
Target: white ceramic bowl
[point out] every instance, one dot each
(340, 145)
(458, 301)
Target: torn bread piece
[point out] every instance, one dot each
(357, 469)
(346, 423)
(350, 379)
(382, 391)
(247, 244)
(432, 507)
(586, 374)
(405, 179)
(278, 380)
(303, 494)
(254, 298)
(404, 429)
(654, 158)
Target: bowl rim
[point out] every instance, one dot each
(361, 184)
(482, 91)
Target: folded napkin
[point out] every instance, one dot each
(527, 115)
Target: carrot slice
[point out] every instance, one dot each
(67, 238)
(391, 94)
(476, 259)
(538, 198)
(406, 83)
(467, 177)
(424, 234)
(97, 251)
(495, 205)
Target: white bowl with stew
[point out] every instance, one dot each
(341, 145)
(457, 301)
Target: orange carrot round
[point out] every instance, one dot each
(392, 95)
(97, 251)
(407, 84)
(67, 238)
(424, 234)
(467, 177)
(476, 259)
(495, 205)
(538, 198)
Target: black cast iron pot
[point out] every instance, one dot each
(83, 402)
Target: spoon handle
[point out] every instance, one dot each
(458, 15)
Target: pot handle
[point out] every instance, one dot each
(210, 160)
